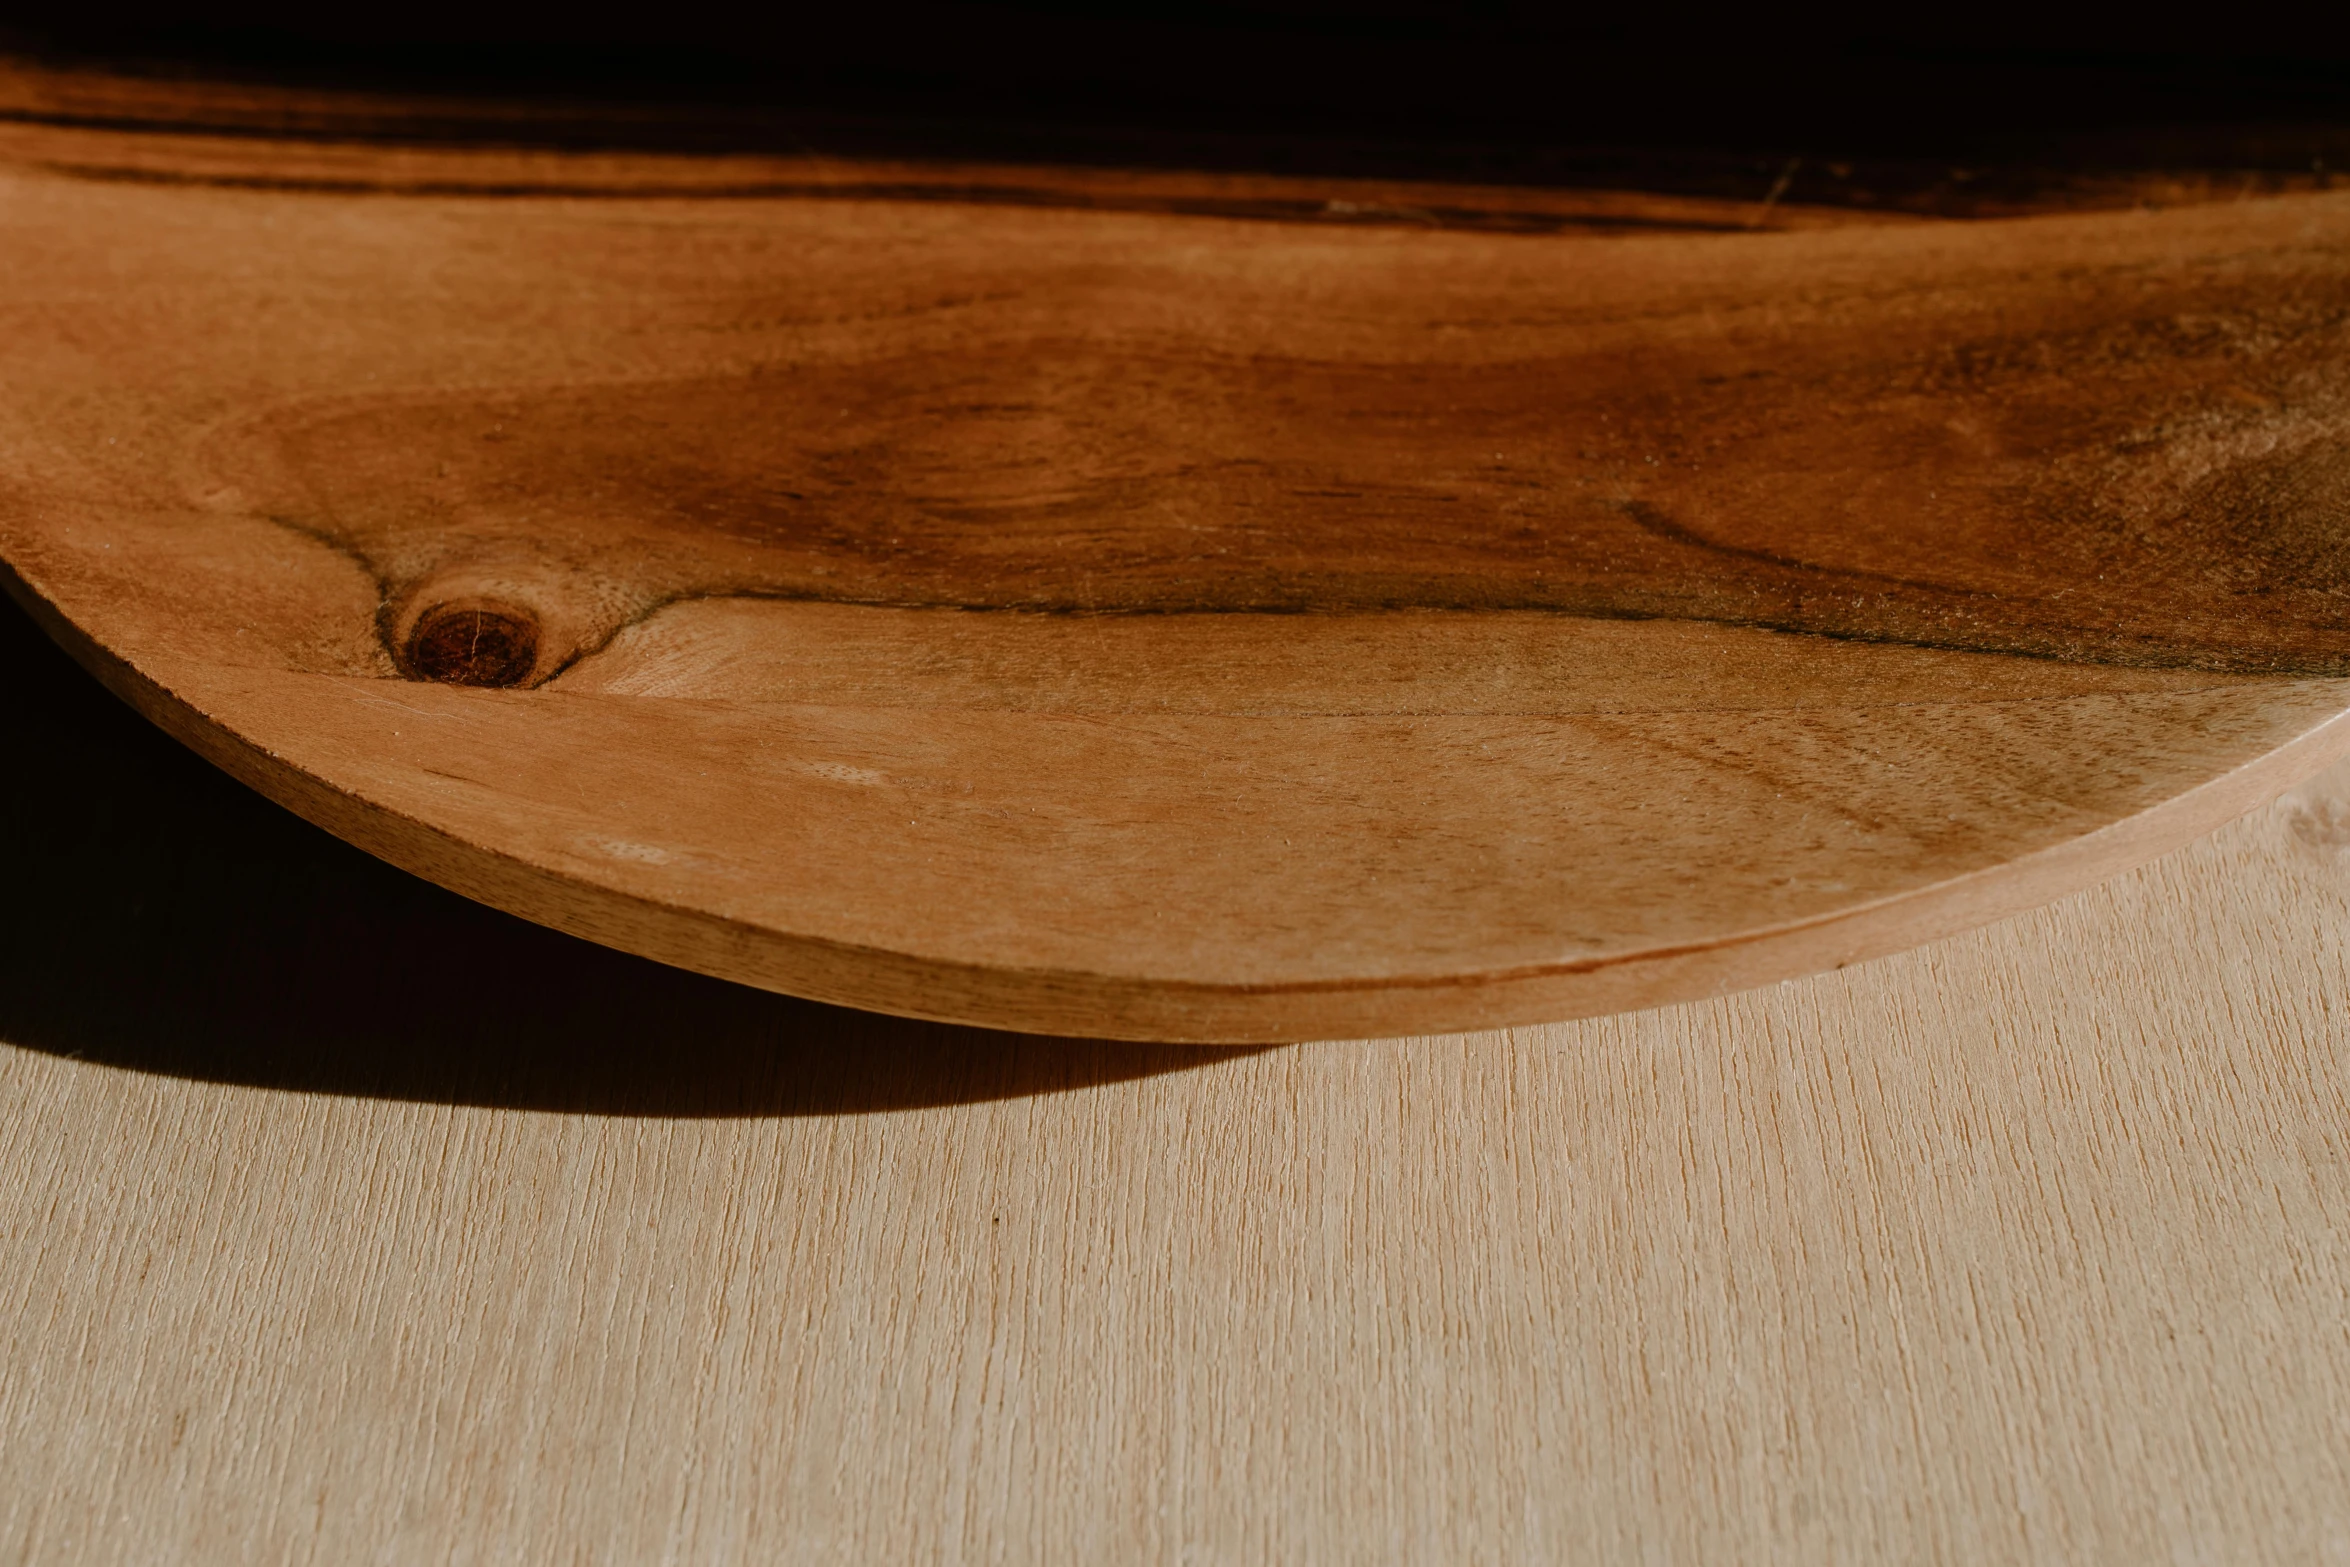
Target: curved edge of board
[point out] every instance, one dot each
(1117, 1007)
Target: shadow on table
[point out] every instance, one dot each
(162, 918)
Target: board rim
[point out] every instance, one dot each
(1169, 1011)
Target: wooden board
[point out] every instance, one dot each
(1188, 610)
(341, 1220)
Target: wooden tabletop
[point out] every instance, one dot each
(346, 1221)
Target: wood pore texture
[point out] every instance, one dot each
(345, 1221)
(1168, 605)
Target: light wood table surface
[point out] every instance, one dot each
(343, 1222)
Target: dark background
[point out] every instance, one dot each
(1487, 89)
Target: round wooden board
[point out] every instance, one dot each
(1212, 610)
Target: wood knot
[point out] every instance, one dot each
(472, 645)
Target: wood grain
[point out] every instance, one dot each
(2027, 1246)
(1104, 612)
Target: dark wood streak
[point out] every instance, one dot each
(1894, 477)
(1335, 212)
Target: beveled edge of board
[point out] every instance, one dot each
(1112, 1007)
